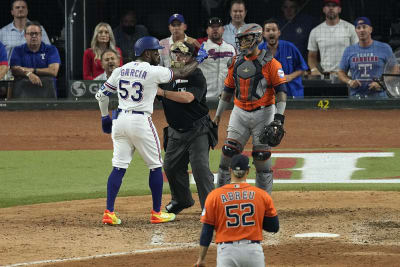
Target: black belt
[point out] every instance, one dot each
(242, 241)
(261, 107)
(131, 111)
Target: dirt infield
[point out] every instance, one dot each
(70, 233)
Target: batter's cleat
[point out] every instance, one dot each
(161, 217)
(110, 218)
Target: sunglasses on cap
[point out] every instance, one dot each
(214, 20)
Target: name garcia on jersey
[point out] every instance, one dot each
(237, 195)
(141, 74)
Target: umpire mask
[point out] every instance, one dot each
(181, 53)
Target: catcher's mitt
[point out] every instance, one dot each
(273, 133)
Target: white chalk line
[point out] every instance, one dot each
(155, 241)
(176, 246)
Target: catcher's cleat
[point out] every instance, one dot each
(175, 207)
(110, 218)
(161, 217)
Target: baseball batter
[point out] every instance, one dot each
(255, 78)
(238, 212)
(136, 84)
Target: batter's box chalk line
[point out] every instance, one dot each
(322, 235)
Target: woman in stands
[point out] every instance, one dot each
(103, 38)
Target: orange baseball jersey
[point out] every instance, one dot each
(273, 74)
(237, 212)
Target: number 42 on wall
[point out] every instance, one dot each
(323, 104)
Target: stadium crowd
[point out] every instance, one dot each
(307, 48)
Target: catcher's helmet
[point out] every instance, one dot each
(249, 29)
(146, 43)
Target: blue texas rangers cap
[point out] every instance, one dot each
(177, 17)
(362, 20)
(240, 162)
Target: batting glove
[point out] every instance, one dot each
(106, 124)
(201, 54)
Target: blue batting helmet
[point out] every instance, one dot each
(146, 43)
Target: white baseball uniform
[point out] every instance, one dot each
(215, 66)
(136, 84)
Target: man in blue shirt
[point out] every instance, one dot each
(288, 55)
(3, 61)
(35, 59)
(366, 61)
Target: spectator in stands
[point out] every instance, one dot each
(103, 38)
(34, 61)
(219, 52)
(12, 35)
(365, 60)
(127, 33)
(177, 27)
(3, 61)
(328, 40)
(109, 61)
(295, 26)
(238, 13)
(288, 55)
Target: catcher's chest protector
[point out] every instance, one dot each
(251, 71)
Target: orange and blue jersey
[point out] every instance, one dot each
(273, 74)
(237, 212)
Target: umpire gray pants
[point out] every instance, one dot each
(184, 148)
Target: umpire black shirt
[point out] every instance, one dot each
(181, 116)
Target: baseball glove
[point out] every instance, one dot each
(273, 133)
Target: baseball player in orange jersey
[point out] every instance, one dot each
(238, 212)
(255, 79)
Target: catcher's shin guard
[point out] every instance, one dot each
(264, 175)
(224, 176)
(265, 181)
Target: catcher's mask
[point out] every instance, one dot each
(248, 37)
(181, 53)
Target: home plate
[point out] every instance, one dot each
(316, 235)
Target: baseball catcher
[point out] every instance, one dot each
(273, 133)
(257, 83)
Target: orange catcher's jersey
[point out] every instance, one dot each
(254, 82)
(237, 212)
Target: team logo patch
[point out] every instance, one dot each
(281, 73)
(203, 212)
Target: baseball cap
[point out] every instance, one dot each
(240, 162)
(362, 20)
(215, 20)
(176, 16)
(337, 2)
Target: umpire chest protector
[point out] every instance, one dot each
(251, 72)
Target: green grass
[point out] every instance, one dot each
(336, 187)
(29, 177)
(378, 167)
